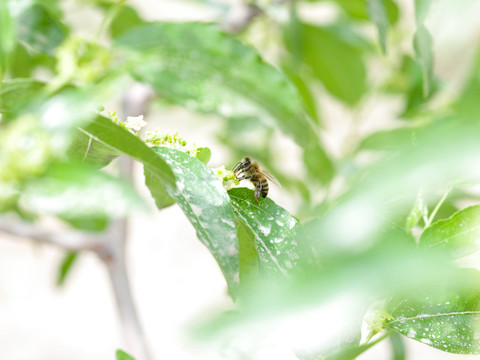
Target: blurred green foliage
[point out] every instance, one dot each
(382, 217)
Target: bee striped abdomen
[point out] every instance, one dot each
(264, 188)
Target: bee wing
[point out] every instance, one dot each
(270, 177)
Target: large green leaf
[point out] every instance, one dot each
(279, 243)
(119, 138)
(85, 147)
(446, 317)
(202, 68)
(203, 199)
(335, 56)
(81, 195)
(459, 234)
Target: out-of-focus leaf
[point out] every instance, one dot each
(459, 234)
(7, 37)
(419, 210)
(446, 316)
(378, 14)
(357, 9)
(409, 82)
(39, 29)
(16, 92)
(423, 44)
(124, 20)
(399, 350)
(309, 101)
(198, 66)
(66, 266)
(85, 147)
(397, 178)
(122, 355)
(204, 154)
(318, 164)
(335, 57)
(203, 199)
(467, 103)
(81, 195)
(390, 140)
(119, 138)
(277, 233)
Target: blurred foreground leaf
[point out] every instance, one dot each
(445, 316)
(81, 195)
(203, 199)
(459, 234)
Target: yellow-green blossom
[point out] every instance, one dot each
(171, 140)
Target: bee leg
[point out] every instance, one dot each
(237, 166)
(258, 188)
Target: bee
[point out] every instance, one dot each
(249, 169)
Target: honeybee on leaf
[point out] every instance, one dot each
(248, 169)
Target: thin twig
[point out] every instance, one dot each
(69, 240)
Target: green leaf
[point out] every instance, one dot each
(85, 147)
(335, 56)
(459, 234)
(66, 265)
(445, 317)
(81, 195)
(378, 14)
(357, 9)
(7, 37)
(318, 164)
(16, 92)
(398, 347)
(124, 20)
(204, 154)
(157, 189)
(390, 140)
(119, 138)
(248, 256)
(277, 234)
(122, 355)
(423, 45)
(203, 199)
(39, 29)
(198, 66)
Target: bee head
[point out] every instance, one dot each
(246, 161)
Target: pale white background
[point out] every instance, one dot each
(175, 280)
